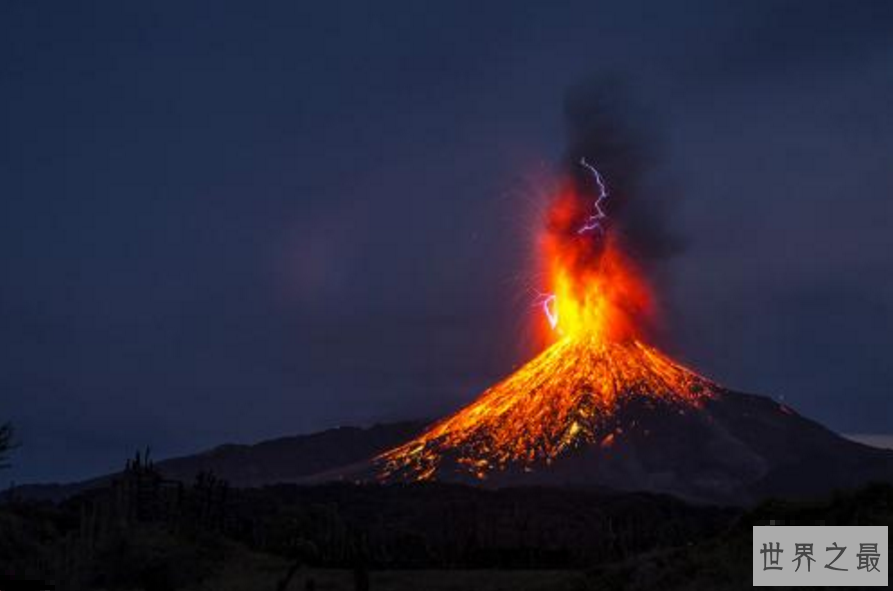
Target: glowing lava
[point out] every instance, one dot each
(567, 396)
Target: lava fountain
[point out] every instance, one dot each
(597, 310)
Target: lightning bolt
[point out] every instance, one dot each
(548, 301)
(594, 221)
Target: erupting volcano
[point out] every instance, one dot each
(600, 406)
(569, 395)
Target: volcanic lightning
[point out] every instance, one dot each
(594, 221)
(546, 301)
(598, 306)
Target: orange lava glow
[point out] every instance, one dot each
(599, 293)
(568, 395)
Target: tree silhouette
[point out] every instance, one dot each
(6, 444)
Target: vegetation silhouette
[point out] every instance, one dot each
(7, 444)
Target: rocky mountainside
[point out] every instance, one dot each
(730, 448)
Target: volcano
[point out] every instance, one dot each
(602, 407)
(566, 398)
(626, 417)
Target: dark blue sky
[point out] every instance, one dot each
(225, 222)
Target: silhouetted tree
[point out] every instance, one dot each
(7, 444)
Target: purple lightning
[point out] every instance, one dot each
(594, 221)
(548, 301)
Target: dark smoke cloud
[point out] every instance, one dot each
(608, 130)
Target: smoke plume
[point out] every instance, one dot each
(607, 130)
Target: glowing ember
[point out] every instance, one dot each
(568, 395)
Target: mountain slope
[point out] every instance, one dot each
(287, 459)
(290, 459)
(565, 398)
(732, 448)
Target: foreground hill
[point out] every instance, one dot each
(724, 562)
(140, 533)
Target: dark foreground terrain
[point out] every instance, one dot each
(142, 531)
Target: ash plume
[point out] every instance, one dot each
(606, 129)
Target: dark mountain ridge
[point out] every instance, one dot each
(275, 461)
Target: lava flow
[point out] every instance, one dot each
(568, 396)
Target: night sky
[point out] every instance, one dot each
(223, 222)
